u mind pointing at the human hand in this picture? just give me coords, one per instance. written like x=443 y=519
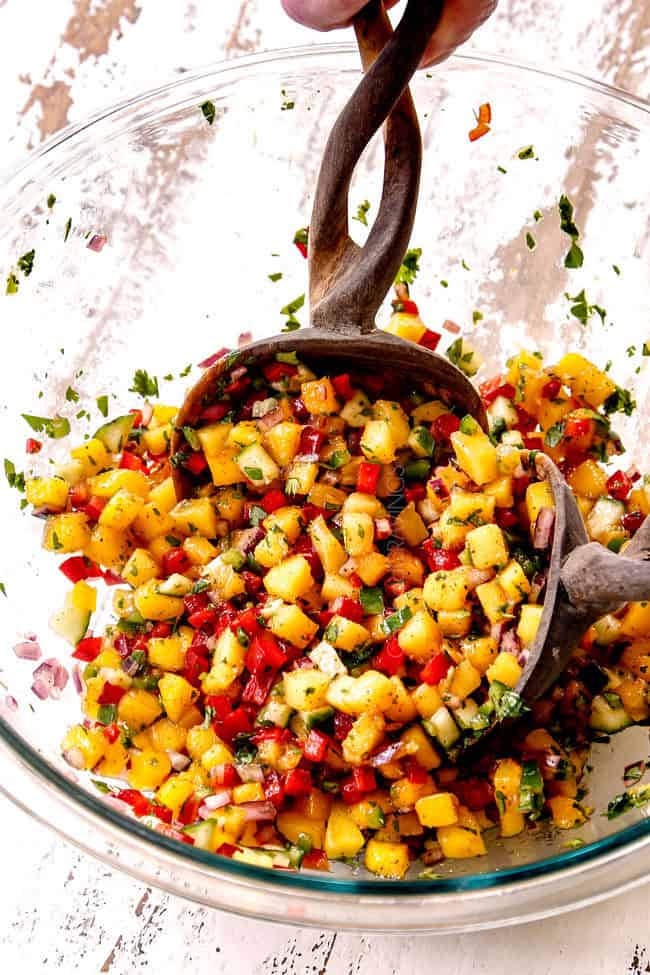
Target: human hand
x=459 y=20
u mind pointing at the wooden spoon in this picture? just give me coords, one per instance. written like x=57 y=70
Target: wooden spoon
x=348 y=283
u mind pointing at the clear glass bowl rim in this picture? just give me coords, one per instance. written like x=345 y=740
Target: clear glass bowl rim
x=634 y=840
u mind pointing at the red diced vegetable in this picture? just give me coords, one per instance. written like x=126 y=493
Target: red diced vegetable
x=414 y=772
x=236 y=723
x=139 y=803
x=94 y=508
x=137 y=417
x=417 y=492
x=274 y=789
x=439 y=558
x=111 y=732
x=430 y=340
x=478 y=131
x=275 y=371
x=316 y=860
x=78 y=567
x=343 y=386
x=632 y=521
x=264 y=654
x=390 y=658
x=131 y=462
x=88 y=648
x=175 y=560
x=506 y=519
x=215 y=412
x=525 y=421
x=311 y=441
x=253 y=582
x=220 y=704
x=273 y=500
x=196 y=463
x=225 y=775
x=160 y=630
x=349 y=792
x=202 y=617
x=342 y=725
x=405 y=306
x=368 y=477
x=111 y=693
x=195 y=602
x=33 y=446
x=494 y=388
x=619 y=486
x=350 y=608
x=247 y=620
x=551 y=389
x=257 y=688
x=443 y=426
x=297 y=782
x=194 y=666
x=316 y=745
x=438 y=487
x=364 y=779
x=436 y=669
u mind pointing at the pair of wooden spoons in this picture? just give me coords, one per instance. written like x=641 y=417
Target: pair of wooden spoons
x=347 y=285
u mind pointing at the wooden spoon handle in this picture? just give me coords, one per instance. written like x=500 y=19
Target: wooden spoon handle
x=348 y=283
x=597 y=581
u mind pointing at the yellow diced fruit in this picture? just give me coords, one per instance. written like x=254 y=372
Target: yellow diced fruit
x=301 y=477
x=166 y=653
x=224 y=469
x=450 y=532
x=358 y=534
x=292 y=824
x=472 y=509
x=337 y=585
x=110 y=482
x=157 y=439
x=272 y=549
x=199 y=740
x=108 y=547
x=390 y=860
x=345 y=634
x=114 y=761
x=410 y=527
x=494 y=601
x=459 y=843
x=328 y=548
x=148 y=769
x=319 y=397
x=88 y=744
x=585 y=380
x=552 y=411
x=217 y=754
x=514 y=582
x=427 y=700
x=487 y=547
x=162 y=413
x=529 y=620
x=372 y=567
x=402 y=708
x=290 y=579
x=47 y=492
x=406 y=326
x=404 y=794
x=356 y=695
x=466 y=679
x=507 y=778
x=428 y=412
x=420 y=637
x=356 y=412
x=229 y=503
x=121 y=511
x=176 y=695
x=195 y=516
x=397 y=420
x=588 y=480
x=257 y=466
x=511 y=822
x=153 y=605
x=438 y=810
x=282 y=441
x=174 y=793
x=93 y=455
x=199 y=550
x=377 y=442
x=306 y=690
x=523 y=370
x=454 y=624
x=364 y=736
x=140 y=568
x=446 y=590
x=343 y=838
x=244 y=434
x=636 y=621
x=358 y=502
x=213 y=438
x=538 y=495
x=227 y=663
x=508 y=458
x=501 y=491
x=152 y=523
x=425 y=754
x=505 y=669
x=290 y=623
x=476 y=455
x=224 y=580
x=163 y=496
x=66 y=533
x=138 y=708
x=326 y=496
x=248 y=792
x=166 y=734
x=288 y=520
x=566 y=813
x=481 y=652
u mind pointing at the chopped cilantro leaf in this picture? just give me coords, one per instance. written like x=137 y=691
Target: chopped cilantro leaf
x=631 y=351
x=26 y=262
x=502 y=169
x=465 y=266
x=646 y=348
x=290 y=310
x=12 y=284
x=254 y=473
x=554 y=434
x=628 y=800
x=102 y=405
x=566 y=217
x=301 y=236
x=574 y=257
x=51 y=200
x=531 y=243
x=477 y=316
x=507 y=703
x=444 y=284
x=192 y=438
x=71 y=395
x=362 y=213
x=527 y=153
x=144 y=384
x=186 y=371
x=620 y=402
x=54 y=427
x=68 y=228
x=537 y=216
x=287 y=104
x=209 y=111
x=616 y=269
x=15 y=478
x=3 y=589
x=410 y=266
x=277 y=276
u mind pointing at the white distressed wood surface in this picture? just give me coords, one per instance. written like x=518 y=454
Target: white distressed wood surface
x=61 y=911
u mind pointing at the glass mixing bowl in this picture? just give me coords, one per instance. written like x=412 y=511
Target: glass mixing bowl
x=197 y=218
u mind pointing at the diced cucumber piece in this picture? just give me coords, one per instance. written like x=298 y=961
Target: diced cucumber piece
x=327 y=659
x=606 y=718
x=258 y=466
x=175 y=585
x=466 y=715
x=70 y=623
x=313 y=718
x=201 y=833
x=502 y=409
x=256 y=858
x=442 y=726
x=115 y=433
x=298 y=726
x=512 y=438
x=275 y=712
x=605 y=515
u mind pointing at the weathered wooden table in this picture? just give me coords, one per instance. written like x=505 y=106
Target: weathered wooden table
x=61 y=911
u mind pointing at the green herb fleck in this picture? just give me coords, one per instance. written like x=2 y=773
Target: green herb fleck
x=290 y=310
x=144 y=384
x=526 y=153
x=192 y=438
x=632 y=799
x=537 y=216
x=507 y=703
x=71 y=395
x=68 y=228
x=477 y=316
x=410 y=266
x=54 y=427
x=372 y=600
x=531 y=243
x=616 y=269
x=574 y=258
x=253 y=473
x=362 y=213
x=26 y=263
x=554 y=434
x=502 y=169
x=3 y=589
x=209 y=111
x=12 y=284
x=51 y=200
x=102 y=405
x=276 y=276
x=15 y=479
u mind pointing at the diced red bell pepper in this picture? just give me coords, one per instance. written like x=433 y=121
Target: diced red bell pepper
x=137 y=417
x=131 y=462
x=79 y=497
x=443 y=426
x=88 y=649
x=632 y=521
x=394 y=587
x=274 y=789
x=526 y=422
x=372 y=384
x=273 y=500
x=364 y=779
x=202 y=617
x=580 y=430
x=257 y=688
x=551 y=389
x=405 y=306
x=619 y=485
x=237 y=387
x=175 y=560
x=475 y=793
x=33 y=446
x=132 y=797
x=368 y=477
x=305 y=548
x=316 y=860
x=414 y=772
x=78 y=567
x=506 y=519
x=111 y=732
x=195 y=664
x=478 y=131
x=300 y=411
x=112 y=578
x=271 y=734
x=430 y=340
x=494 y=388
x=275 y=371
x=324 y=617
x=416 y=492
x=311 y=441
x=190 y=811
x=349 y=792
x=225 y=775
x=436 y=669
x=253 y=583
x=316 y=745
x=195 y=602
x=111 y=693
x=160 y=631
x=353 y=439
x=390 y=658
x=520 y=485
x=196 y=463
x=236 y=723
x=342 y=725
x=533 y=441
x=161 y=812
x=248 y=622
x=215 y=412
x=343 y=386
x=297 y=782
x=264 y=654
x=347 y=607
x=94 y=508
x=439 y=559
x=301 y=240
x=226 y=614
x=227 y=850
x=220 y=704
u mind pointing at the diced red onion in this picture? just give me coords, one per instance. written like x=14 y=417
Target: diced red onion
x=250 y=773
x=537 y=587
x=27 y=650
x=41 y=689
x=50 y=678
x=262 y=407
x=96 y=243
x=178 y=760
x=510 y=642
x=255 y=812
x=11 y=703
x=76 y=679
x=522 y=656
x=147 y=414
x=450 y=326
x=303 y=663
x=211 y=359
x=633 y=473
x=397 y=749
x=75 y=758
x=216 y=801
x=238 y=373
x=383 y=528
x=246 y=539
x=271 y=419
x=130 y=666
x=544 y=525
x=118 y=805
x=244 y=338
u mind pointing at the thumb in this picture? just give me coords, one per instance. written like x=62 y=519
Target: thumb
x=325 y=14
